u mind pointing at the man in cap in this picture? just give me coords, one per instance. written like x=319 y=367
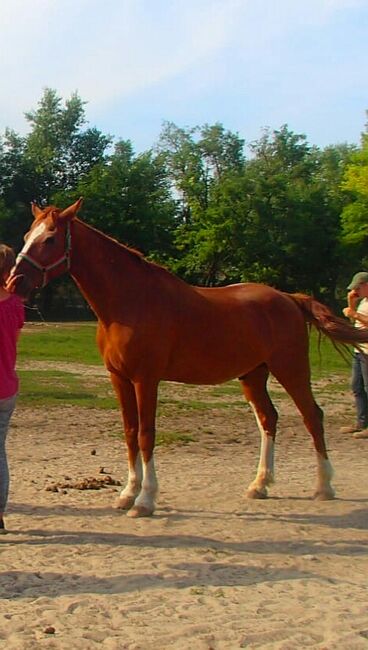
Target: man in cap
x=357 y=311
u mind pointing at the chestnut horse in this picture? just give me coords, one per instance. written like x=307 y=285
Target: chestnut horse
x=152 y=326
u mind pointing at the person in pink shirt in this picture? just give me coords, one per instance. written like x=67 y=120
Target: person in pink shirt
x=11 y=322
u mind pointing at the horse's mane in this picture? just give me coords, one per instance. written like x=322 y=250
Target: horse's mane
x=103 y=235
x=135 y=253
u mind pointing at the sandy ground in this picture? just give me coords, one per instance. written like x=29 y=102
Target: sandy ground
x=210 y=570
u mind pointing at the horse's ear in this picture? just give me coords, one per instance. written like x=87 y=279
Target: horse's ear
x=70 y=212
x=36 y=211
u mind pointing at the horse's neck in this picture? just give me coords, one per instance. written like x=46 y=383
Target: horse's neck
x=103 y=269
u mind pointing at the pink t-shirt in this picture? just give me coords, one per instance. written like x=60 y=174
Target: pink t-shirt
x=11 y=321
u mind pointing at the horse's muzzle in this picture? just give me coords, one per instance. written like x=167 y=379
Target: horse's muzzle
x=21 y=285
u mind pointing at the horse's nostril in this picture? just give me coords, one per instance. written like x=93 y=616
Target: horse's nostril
x=20 y=285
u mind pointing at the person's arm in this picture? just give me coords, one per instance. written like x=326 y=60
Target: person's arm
x=350 y=310
x=355 y=315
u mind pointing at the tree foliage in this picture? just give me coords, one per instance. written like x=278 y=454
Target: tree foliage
x=129 y=197
x=287 y=214
x=355 y=182
x=272 y=218
x=198 y=161
x=291 y=229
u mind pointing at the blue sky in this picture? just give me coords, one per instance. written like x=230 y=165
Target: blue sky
x=249 y=64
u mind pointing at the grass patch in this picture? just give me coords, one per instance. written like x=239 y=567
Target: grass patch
x=230 y=388
x=75 y=343
x=198 y=405
x=172 y=438
x=59 y=342
x=325 y=359
x=40 y=388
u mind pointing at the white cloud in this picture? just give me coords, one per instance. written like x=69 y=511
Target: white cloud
x=115 y=50
x=104 y=50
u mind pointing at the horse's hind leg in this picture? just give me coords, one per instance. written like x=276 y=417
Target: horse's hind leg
x=126 y=395
x=255 y=391
x=293 y=372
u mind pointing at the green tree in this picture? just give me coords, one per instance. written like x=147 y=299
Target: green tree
x=292 y=226
x=198 y=160
x=355 y=183
x=332 y=163
x=129 y=197
x=14 y=189
x=273 y=218
x=51 y=159
x=58 y=153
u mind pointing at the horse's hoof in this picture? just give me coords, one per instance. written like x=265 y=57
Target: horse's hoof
x=324 y=496
x=254 y=493
x=139 y=511
x=124 y=503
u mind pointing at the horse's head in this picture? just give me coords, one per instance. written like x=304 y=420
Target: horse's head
x=46 y=252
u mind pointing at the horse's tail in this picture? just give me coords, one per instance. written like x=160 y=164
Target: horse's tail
x=339 y=330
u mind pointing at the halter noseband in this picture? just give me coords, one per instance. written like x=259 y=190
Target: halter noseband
x=45 y=269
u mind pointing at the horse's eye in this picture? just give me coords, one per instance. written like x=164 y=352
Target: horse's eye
x=50 y=240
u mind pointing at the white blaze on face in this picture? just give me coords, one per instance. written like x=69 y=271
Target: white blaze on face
x=32 y=237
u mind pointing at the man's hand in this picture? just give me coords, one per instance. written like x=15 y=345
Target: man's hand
x=352 y=299
x=349 y=312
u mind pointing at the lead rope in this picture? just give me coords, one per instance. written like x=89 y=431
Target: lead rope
x=38 y=311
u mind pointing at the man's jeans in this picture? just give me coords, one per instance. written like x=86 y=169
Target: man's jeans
x=359 y=386
x=6 y=409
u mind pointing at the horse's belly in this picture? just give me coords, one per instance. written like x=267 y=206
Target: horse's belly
x=212 y=367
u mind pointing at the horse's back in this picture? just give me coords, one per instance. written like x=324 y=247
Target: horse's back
x=256 y=304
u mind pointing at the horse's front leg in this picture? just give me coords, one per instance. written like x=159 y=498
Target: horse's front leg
x=146 y=395
x=126 y=395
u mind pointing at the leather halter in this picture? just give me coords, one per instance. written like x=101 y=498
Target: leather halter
x=45 y=269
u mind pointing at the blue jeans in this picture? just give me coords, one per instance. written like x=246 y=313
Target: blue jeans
x=359 y=386
x=6 y=409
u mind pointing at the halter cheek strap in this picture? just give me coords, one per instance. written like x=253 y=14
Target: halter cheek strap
x=45 y=269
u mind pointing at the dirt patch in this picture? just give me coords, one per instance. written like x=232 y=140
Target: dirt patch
x=210 y=569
